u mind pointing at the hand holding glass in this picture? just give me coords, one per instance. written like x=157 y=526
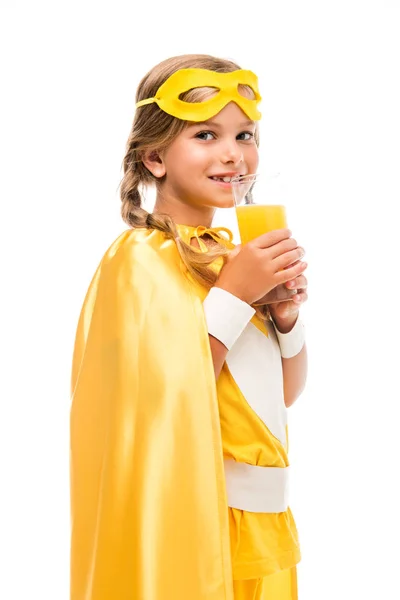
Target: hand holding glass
x=258 y=216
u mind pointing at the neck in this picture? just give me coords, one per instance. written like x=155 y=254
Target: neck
x=184 y=214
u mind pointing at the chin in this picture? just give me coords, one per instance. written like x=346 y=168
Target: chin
x=223 y=201
x=226 y=204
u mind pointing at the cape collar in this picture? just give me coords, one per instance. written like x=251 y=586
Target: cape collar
x=222 y=235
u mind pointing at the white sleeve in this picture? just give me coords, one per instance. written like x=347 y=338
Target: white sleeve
x=291 y=343
x=226 y=315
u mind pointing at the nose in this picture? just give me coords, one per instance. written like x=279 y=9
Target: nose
x=232 y=153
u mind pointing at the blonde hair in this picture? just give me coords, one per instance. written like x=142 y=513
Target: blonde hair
x=154 y=130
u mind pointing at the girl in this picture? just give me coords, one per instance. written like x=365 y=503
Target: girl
x=179 y=461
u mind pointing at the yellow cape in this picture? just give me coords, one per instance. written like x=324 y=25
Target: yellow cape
x=148 y=505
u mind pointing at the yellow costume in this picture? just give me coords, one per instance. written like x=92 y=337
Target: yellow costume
x=148 y=498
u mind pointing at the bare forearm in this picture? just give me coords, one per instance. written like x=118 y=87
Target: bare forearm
x=219 y=352
x=294 y=376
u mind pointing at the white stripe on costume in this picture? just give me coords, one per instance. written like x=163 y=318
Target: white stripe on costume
x=255 y=364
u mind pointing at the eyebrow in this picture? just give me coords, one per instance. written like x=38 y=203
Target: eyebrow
x=211 y=123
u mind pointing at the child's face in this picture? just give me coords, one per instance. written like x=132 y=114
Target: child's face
x=222 y=146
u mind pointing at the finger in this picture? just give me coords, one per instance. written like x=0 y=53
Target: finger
x=298 y=283
x=272 y=237
x=281 y=248
x=290 y=273
x=289 y=258
x=299 y=298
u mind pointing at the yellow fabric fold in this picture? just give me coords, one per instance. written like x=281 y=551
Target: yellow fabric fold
x=148 y=503
x=188 y=232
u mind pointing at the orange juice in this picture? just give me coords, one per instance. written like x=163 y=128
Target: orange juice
x=256 y=219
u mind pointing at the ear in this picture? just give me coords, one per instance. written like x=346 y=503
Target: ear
x=154 y=163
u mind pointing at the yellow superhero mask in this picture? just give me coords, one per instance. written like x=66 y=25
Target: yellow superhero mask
x=168 y=94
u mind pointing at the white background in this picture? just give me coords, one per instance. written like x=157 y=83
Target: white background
x=329 y=74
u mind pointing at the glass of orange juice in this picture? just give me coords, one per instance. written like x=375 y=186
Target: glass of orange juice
x=259 y=209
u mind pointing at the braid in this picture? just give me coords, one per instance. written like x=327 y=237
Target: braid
x=131 y=210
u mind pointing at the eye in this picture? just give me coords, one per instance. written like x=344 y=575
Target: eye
x=246 y=136
x=202 y=135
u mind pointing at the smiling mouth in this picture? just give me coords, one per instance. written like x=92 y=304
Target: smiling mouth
x=224 y=179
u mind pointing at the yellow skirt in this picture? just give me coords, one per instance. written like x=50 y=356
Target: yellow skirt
x=279 y=586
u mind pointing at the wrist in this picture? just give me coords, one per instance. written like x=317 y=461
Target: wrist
x=285 y=324
x=231 y=290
